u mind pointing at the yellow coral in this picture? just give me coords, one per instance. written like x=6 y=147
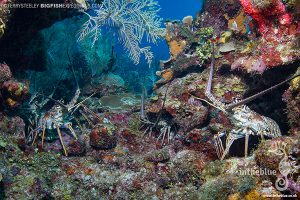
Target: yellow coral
x=237 y=23
x=10 y=102
x=167 y=74
x=225 y=37
x=295 y=83
x=235 y=196
x=2 y=27
x=19 y=92
x=176 y=47
x=248 y=48
x=254 y=195
x=155 y=98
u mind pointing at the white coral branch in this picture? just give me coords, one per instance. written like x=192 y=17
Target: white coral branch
x=133 y=19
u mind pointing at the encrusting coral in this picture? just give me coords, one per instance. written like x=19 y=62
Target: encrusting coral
x=5 y=73
x=12 y=92
x=292 y=99
x=266 y=13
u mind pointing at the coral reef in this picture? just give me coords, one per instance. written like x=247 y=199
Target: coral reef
x=107 y=142
x=278 y=154
x=5 y=73
x=103 y=138
x=12 y=92
x=266 y=13
x=176 y=43
x=292 y=99
x=5 y=13
x=12 y=125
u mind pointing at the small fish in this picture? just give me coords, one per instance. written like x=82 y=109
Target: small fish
x=249 y=24
x=234 y=26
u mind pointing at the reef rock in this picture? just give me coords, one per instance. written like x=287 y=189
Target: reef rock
x=5 y=73
x=292 y=99
x=157 y=156
x=175 y=42
x=271 y=152
x=76 y=148
x=12 y=125
x=182 y=98
x=14 y=93
x=102 y=138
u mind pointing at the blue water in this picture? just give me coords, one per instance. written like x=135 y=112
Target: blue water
x=175 y=10
x=170 y=10
x=178 y=9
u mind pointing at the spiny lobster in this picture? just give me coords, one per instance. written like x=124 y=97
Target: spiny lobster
x=59 y=117
x=160 y=125
x=246 y=122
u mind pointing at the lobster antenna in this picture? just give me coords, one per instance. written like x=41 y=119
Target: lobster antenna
x=209 y=103
x=72 y=68
x=163 y=106
x=56 y=101
x=142 y=114
x=208 y=88
x=251 y=98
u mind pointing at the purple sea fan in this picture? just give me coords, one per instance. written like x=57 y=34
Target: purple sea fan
x=194 y=102
x=259 y=66
x=239 y=63
x=250 y=64
x=294 y=186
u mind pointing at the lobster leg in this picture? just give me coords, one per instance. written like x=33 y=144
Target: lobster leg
x=43 y=135
x=262 y=135
x=69 y=126
x=218 y=144
x=145 y=132
x=60 y=137
x=150 y=131
x=78 y=123
x=87 y=119
x=162 y=134
x=246 y=143
x=230 y=139
x=169 y=134
x=35 y=136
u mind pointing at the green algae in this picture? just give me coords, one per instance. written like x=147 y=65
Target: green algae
x=204 y=47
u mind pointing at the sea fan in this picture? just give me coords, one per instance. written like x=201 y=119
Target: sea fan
x=132 y=19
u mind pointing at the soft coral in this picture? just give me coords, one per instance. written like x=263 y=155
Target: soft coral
x=267 y=16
